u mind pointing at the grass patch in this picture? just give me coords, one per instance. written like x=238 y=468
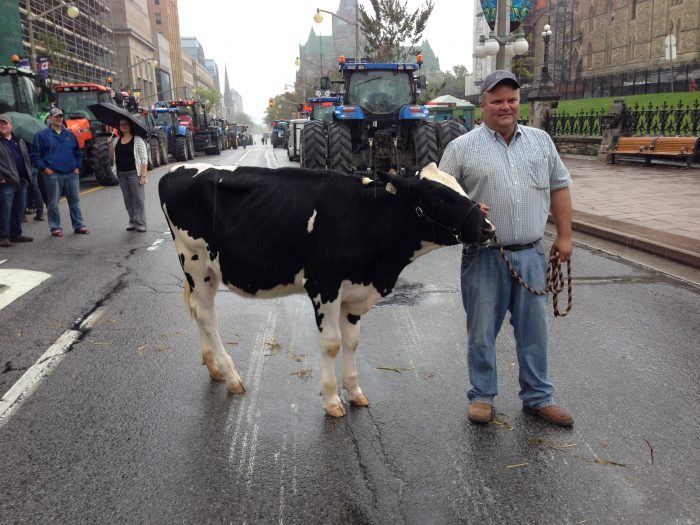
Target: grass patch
x=588 y=105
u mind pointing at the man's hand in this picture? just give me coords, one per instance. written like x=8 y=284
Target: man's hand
x=565 y=247
x=484 y=208
x=48 y=171
x=77 y=171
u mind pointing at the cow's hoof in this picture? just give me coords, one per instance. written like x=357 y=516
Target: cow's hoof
x=360 y=401
x=216 y=375
x=236 y=387
x=336 y=410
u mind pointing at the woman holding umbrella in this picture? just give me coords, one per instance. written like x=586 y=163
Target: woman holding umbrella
x=131 y=155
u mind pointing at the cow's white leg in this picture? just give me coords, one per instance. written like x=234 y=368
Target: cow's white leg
x=330 y=346
x=202 y=288
x=350 y=336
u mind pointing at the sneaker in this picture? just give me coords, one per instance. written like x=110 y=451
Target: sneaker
x=29 y=211
x=553 y=414
x=21 y=238
x=83 y=230
x=131 y=228
x=5 y=243
x=141 y=230
x=479 y=412
x=39 y=216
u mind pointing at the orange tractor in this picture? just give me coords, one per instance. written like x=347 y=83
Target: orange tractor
x=92 y=135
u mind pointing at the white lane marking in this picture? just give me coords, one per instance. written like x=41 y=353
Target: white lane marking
x=17 y=283
x=155 y=244
x=243 y=157
x=30 y=380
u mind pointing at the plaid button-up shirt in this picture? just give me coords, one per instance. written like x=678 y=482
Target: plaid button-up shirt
x=515 y=180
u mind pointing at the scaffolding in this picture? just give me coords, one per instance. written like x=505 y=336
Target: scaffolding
x=80 y=50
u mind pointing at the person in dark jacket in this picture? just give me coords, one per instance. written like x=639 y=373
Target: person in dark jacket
x=15 y=170
x=56 y=154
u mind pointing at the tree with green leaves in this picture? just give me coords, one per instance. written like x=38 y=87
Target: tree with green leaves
x=392 y=33
x=211 y=97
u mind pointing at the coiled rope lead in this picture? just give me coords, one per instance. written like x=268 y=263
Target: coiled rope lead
x=555 y=280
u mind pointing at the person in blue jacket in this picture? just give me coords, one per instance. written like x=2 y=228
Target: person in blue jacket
x=56 y=153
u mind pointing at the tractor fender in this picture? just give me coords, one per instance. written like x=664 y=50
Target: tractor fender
x=410 y=113
x=355 y=114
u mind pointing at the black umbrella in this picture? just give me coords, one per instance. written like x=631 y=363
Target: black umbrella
x=110 y=115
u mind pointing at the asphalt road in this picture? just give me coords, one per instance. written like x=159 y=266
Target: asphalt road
x=128 y=428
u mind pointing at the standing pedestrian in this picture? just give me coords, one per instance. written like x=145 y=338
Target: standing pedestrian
x=15 y=170
x=57 y=155
x=131 y=156
x=522 y=181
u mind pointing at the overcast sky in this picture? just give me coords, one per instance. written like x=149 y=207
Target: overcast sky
x=259 y=40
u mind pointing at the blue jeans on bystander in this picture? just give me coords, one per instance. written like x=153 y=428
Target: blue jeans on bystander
x=13 y=198
x=488 y=293
x=56 y=183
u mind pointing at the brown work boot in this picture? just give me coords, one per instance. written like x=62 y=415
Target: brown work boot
x=479 y=412
x=553 y=414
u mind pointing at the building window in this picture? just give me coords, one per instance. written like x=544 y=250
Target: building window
x=633 y=10
x=157 y=2
x=158 y=18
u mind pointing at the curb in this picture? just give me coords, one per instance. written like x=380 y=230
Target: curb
x=666 y=245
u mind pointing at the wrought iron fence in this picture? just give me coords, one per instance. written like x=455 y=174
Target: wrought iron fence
x=588 y=124
x=662 y=119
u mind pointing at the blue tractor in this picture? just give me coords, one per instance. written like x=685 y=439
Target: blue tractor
x=381 y=124
x=179 y=138
x=314 y=134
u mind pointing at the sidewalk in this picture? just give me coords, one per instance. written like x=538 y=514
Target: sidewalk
x=652 y=208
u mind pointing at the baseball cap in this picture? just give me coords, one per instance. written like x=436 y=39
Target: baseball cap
x=55 y=112
x=6 y=118
x=495 y=78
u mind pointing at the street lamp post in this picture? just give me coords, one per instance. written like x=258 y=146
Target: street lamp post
x=500 y=43
x=318 y=18
x=72 y=12
x=546 y=35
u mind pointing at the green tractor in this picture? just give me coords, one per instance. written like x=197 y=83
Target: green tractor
x=18 y=99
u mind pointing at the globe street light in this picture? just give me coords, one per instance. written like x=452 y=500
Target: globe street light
x=72 y=12
x=546 y=35
x=318 y=18
x=500 y=43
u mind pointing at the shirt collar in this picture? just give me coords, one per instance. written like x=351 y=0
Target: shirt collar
x=496 y=135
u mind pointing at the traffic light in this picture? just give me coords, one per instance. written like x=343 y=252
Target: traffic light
x=271 y=103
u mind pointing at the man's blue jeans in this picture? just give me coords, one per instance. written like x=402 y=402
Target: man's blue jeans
x=56 y=183
x=13 y=198
x=488 y=293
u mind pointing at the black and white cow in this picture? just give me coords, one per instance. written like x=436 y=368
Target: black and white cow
x=342 y=239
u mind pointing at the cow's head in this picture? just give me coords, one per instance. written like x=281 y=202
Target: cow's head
x=448 y=213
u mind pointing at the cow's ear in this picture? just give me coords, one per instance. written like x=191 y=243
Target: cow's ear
x=396 y=184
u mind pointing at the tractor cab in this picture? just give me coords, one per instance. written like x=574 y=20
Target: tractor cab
x=92 y=135
x=18 y=99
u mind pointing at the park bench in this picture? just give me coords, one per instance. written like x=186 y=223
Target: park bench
x=631 y=146
x=675 y=147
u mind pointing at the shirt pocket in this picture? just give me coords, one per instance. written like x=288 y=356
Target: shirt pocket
x=538 y=173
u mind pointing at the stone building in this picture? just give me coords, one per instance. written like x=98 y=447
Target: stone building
x=165 y=24
x=619 y=35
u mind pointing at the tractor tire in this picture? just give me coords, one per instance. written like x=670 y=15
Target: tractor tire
x=313 y=138
x=448 y=130
x=339 y=147
x=181 y=148
x=425 y=144
x=102 y=166
x=217 y=147
x=153 y=150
